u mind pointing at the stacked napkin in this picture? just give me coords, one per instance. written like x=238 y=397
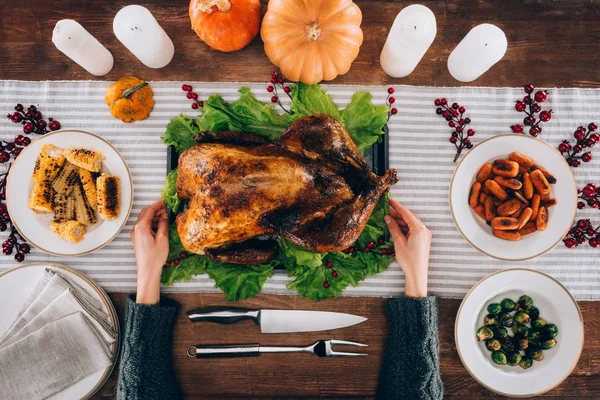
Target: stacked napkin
x=61 y=335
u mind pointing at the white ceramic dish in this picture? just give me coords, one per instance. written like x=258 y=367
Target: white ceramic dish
x=475 y=230
x=15 y=285
x=556 y=306
x=34 y=227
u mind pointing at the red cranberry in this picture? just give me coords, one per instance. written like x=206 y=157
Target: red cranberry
x=455 y=106
x=581 y=205
x=7 y=251
x=462 y=110
x=545 y=116
x=528 y=121
x=453 y=139
x=570 y=243
x=16 y=117
x=580 y=240
x=168 y=264
x=189 y=96
x=334 y=274
x=19 y=107
x=54 y=125
x=391 y=90
x=535 y=130
x=394 y=111
x=273 y=80
x=595 y=137
x=594 y=203
x=590 y=142
x=594 y=242
x=274 y=99
x=42 y=124
x=445 y=114
x=536 y=108
x=579 y=134
x=3 y=208
x=451 y=124
x=517 y=128
x=28 y=127
x=329 y=264
x=592 y=126
x=16 y=151
x=280 y=80
x=540 y=96
x=564 y=147
x=26 y=141
x=270 y=88
x=583 y=223
x=287 y=89
x=520 y=106
x=439 y=111
x=575 y=163
x=443 y=101
x=527 y=100
x=586 y=157
x=177 y=261
x=392 y=100
x=4 y=157
x=528 y=88
x=577 y=148
x=459 y=129
x=274 y=74
x=201 y=103
x=326 y=285
x=471 y=132
x=24 y=248
x=589 y=190
x=437 y=102
x=19 y=257
x=590 y=231
x=184 y=88
x=194 y=106
x=32 y=108
x=467 y=121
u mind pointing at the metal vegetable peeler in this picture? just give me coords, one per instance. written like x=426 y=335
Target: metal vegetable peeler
x=322 y=348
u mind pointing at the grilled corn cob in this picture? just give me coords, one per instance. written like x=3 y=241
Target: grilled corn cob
x=66 y=179
x=64 y=207
x=72 y=231
x=84 y=213
x=48 y=163
x=40 y=200
x=88 y=184
x=85 y=158
x=109 y=197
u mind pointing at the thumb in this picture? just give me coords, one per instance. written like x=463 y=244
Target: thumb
x=397 y=235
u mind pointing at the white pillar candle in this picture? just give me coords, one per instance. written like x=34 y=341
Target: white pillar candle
x=80 y=46
x=138 y=30
x=483 y=47
x=411 y=35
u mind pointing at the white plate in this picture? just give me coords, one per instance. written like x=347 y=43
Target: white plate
x=16 y=284
x=478 y=233
x=34 y=227
x=556 y=306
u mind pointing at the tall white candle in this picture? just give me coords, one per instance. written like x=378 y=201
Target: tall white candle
x=138 y=30
x=481 y=48
x=80 y=46
x=411 y=35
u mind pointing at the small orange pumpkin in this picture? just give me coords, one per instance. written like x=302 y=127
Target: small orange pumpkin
x=225 y=25
x=130 y=99
x=314 y=40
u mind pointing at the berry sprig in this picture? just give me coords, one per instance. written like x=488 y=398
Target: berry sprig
x=530 y=105
x=584 y=139
x=589 y=195
x=192 y=96
x=581 y=232
x=32 y=120
x=389 y=101
x=176 y=261
x=14 y=240
x=278 y=84
x=454 y=114
x=14 y=148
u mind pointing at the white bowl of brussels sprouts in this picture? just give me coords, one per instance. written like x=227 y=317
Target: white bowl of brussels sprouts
x=519 y=332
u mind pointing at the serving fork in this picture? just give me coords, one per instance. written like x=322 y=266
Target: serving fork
x=321 y=348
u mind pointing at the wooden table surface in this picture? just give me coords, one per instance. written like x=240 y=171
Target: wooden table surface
x=551 y=43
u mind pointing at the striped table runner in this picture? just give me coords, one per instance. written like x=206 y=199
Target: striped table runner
x=419 y=149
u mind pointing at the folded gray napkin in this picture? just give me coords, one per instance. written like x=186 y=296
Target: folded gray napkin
x=51 y=359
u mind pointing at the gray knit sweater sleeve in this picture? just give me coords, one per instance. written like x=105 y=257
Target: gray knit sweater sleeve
x=411 y=357
x=145 y=370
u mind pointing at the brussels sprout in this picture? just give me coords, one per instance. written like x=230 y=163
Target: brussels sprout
x=550 y=331
x=493 y=345
x=534 y=313
x=548 y=344
x=500 y=332
x=525 y=302
x=522 y=317
x=538 y=323
x=526 y=362
x=535 y=336
x=490 y=320
x=506 y=319
x=508 y=344
x=508 y=305
x=523 y=343
x=484 y=333
x=494 y=309
x=535 y=353
x=499 y=357
x=520 y=330
x=513 y=358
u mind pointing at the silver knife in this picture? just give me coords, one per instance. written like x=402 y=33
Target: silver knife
x=277 y=321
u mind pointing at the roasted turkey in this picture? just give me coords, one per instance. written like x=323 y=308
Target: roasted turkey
x=311 y=186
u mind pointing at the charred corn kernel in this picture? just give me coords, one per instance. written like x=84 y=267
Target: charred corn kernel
x=506 y=168
x=496 y=189
x=528 y=228
x=519 y=196
x=475 y=191
x=549 y=203
x=523 y=170
x=549 y=177
x=48 y=163
x=505 y=223
x=479 y=210
x=510 y=183
x=41 y=198
x=109 y=197
x=507 y=235
x=541 y=221
x=84 y=213
x=85 y=158
x=521 y=159
x=525 y=217
x=539 y=181
x=509 y=207
x=497 y=201
x=489 y=209
x=518 y=213
x=64 y=207
x=527 y=187
x=66 y=179
x=544 y=197
x=535 y=205
x=484 y=173
x=88 y=184
x=482 y=197
x=72 y=231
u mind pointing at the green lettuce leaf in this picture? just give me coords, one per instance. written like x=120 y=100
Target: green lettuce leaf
x=180 y=133
x=294 y=254
x=364 y=121
x=312 y=99
x=192 y=265
x=240 y=282
x=169 y=192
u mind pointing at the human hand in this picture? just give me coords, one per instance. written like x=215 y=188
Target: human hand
x=412 y=241
x=150 y=238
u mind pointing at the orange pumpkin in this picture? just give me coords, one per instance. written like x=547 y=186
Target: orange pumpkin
x=312 y=40
x=225 y=25
x=130 y=99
